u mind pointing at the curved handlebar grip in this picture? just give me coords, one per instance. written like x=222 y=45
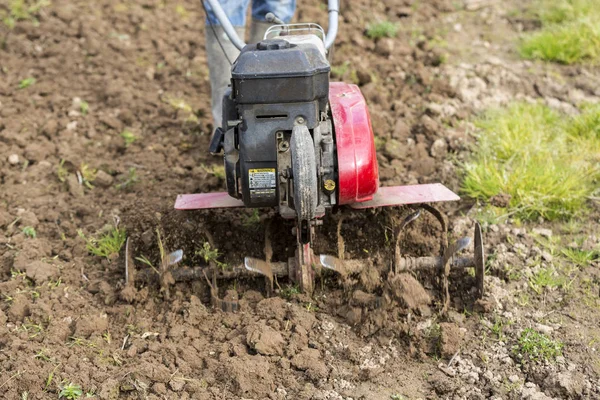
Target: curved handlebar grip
x=333 y=9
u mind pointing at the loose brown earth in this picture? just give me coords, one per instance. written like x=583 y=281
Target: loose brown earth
x=65 y=316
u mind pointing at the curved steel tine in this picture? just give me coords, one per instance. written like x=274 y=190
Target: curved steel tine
x=410 y=218
x=329 y=262
x=407 y=220
x=455 y=247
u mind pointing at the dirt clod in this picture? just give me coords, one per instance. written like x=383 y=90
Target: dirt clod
x=450 y=339
x=41 y=271
x=408 y=290
x=265 y=340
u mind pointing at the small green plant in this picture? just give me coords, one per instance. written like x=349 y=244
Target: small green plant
x=108 y=244
x=87 y=175
x=340 y=70
x=290 y=291
x=537 y=346
x=397 y=397
x=179 y=104
x=61 y=171
x=41 y=355
x=381 y=29
x=144 y=259
x=545 y=278
x=70 y=391
x=128 y=137
x=84 y=107
x=498 y=329
x=251 y=220
x=25 y=83
x=217 y=170
x=29 y=231
x=130 y=180
x=210 y=254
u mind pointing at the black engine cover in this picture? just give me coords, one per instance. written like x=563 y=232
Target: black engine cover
x=275 y=85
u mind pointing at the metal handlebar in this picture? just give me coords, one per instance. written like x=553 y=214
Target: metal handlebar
x=332 y=7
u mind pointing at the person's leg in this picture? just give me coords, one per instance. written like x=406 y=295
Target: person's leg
x=221 y=52
x=283 y=9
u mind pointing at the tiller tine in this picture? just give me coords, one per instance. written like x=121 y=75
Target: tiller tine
x=444 y=264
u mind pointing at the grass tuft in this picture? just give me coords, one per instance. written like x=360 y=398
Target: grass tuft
x=537 y=346
x=570 y=32
x=108 y=244
x=378 y=30
x=546 y=162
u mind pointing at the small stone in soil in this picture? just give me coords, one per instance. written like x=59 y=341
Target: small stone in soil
x=103 y=179
x=13 y=159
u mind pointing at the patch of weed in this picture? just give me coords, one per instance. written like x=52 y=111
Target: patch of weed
x=570 y=32
x=29 y=231
x=130 y=180
x=210 y=254
x=84 y=107
x=545 y=278
x=25 y=83
x=70 y=391
x=87 y=175
x=128 y=137
x=61 y=171
x=381 y=29
x=538 y=157
x=107 y=245
x=22 y=10
x=251 y=220
x=180 y=104
x=340 y=70
x=537 y=346
x=290 y=291
x=581 y=258
x=218 y=170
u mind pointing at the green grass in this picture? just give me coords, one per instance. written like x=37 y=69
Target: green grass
x=22 y=10
x=131 y=179
x=108 y=244
x=581 y=258
x=546 y=278
x=547 y=162
x=537 y=346
x=381 y=29
x=570 y=32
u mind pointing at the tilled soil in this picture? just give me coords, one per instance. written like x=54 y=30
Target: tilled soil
x=105 y=67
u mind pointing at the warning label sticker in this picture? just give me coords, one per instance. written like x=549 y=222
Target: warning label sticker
x=262 y=178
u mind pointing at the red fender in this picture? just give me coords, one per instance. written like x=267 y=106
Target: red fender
x=358 y=170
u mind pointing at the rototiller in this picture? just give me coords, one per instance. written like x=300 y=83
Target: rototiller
x=297 y=142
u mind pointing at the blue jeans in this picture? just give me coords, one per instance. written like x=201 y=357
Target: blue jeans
x=236 y=10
